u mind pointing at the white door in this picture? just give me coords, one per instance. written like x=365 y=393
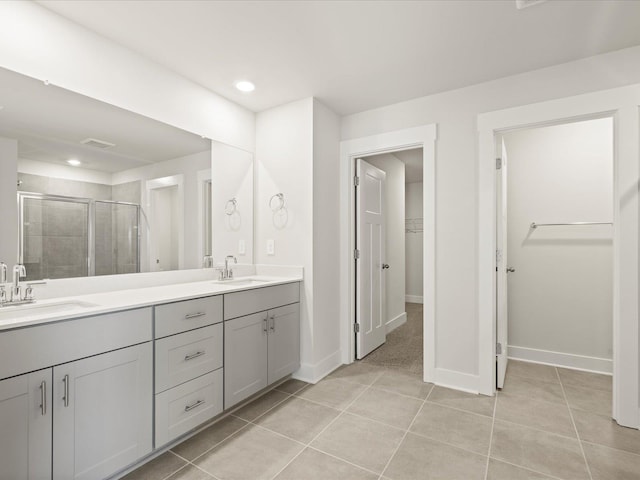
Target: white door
x=370 y=266
x=502 y=268
x=102 y=413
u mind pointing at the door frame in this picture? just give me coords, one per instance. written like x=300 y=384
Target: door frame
x=622 y=104
x=417 y=137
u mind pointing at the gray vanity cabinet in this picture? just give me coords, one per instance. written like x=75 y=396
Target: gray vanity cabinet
x=101 y=411
x=262 y=347
x=25 y=423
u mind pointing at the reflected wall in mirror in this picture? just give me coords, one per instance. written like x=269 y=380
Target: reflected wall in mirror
x=232 y=202
x=135 y=202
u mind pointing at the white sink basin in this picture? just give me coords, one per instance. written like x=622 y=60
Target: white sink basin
x=33 y=309
x=241 y=282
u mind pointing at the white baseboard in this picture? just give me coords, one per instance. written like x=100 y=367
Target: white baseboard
x=456 y=380
x=313 y=373
x=414 y=298
x=396 y=322
x=558 y=359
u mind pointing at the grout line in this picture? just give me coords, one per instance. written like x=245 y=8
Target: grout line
x=610 y=448
x=310 y=447
x=493 y=423
x=584 y=456
x=223 y=440
x=458 y=409
x=175 y=471
x=322 y=431
x=526 y=468
x=405 y=434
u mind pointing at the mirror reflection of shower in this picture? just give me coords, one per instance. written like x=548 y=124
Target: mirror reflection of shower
x=63 y=236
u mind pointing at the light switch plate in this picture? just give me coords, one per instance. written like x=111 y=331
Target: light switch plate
x=271 y=247
x=241 y=247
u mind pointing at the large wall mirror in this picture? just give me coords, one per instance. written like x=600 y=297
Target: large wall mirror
x=104 y=191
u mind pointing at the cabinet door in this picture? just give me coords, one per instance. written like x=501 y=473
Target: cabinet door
x=25 y=426
x=284 y=341
x=102 y=408
x=245 y=357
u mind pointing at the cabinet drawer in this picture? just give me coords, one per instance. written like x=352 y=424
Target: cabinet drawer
x=238 y=304
x=182 y=357
x=188 y=405
x=177 y=317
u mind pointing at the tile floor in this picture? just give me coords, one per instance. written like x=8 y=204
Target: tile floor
x=367 y=421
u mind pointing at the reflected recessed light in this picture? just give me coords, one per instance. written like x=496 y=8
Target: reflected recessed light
x=245 y=86
x=73 y=162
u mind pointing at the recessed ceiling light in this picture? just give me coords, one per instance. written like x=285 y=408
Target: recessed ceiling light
x=73 y=162
x=245 y=86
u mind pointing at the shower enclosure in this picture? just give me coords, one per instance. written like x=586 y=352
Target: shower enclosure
x=62 y=237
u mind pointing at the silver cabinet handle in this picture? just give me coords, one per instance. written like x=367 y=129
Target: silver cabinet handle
x=194 y=355
x=194 y=315
x=196 y=404
x=264 y=325
x=43 y=397
x=66 y=390
x=272 y=327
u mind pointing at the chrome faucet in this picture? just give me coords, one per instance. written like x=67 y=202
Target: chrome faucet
x=228 y=273
x=3 y=272
x=18 y=272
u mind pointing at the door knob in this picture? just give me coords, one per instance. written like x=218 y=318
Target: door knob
x=385 y=266
x=510 y=269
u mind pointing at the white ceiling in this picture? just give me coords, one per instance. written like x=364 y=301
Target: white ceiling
x=49 y=123
x=356 y=55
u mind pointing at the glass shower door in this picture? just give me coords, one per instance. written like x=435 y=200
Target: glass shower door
x=54 y=236
x=116 y=238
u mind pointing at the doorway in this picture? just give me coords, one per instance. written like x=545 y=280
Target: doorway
x=165 y=202
x=408 y=139
x=399 y=315
x=554 y=246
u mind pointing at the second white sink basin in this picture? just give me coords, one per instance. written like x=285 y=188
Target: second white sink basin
x=32 y=309
x=241 y=282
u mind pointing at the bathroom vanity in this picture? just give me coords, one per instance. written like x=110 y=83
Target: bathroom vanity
x=93 y=384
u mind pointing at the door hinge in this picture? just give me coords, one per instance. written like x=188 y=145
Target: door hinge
x=356 y=254
x=498 y=163
x=356 y=181
x=498 y=348
x=356 y=327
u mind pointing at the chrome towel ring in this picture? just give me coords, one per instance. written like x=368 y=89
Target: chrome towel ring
x=276 y=202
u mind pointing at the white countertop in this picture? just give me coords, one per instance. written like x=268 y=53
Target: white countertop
x=66 y=308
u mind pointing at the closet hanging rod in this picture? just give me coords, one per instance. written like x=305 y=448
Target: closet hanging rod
x=536 y=225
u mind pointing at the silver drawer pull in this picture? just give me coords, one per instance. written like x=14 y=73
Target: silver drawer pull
x=188 y=408
x=43 y=397
x=194 y=355
x=194 y=315
x=66 y=390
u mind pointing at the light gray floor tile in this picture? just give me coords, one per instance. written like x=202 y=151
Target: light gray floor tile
x=298 y=419
x=503 y=471
x=465 y=430
x=333 y=392
x=603 y=430
x=534 y=388
x=577 y=378
x=548 y=416
x=260 y=405
x=292 y=386
x=252 y=453
x=386 y=407
x=314 y=465
x=404 y=383
x=609 y=464
x=360 y=441
x=465 y=401
x=545 y=373
x=190 y=473
x=540 y=451
x=208 y=438
x=425 y=459
x=589 y=399
x=158 y=468
x=358 y=372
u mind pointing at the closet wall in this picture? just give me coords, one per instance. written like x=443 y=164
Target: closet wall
x=560 y=296
x=414 y=240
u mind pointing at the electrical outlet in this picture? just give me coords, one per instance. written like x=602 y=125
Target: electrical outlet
x=241 y=247
x=271 y=247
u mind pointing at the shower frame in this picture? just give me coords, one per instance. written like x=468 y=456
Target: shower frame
x=91 y=211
